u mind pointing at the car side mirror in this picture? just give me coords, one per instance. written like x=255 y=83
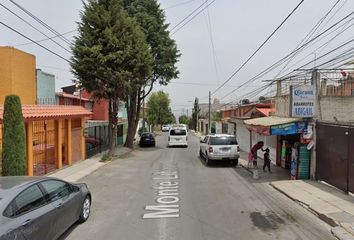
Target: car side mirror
x=201 y=141
x=75 y=188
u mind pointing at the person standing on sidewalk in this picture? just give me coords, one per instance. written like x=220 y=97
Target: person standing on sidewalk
x=254 y=150
x=266 y=160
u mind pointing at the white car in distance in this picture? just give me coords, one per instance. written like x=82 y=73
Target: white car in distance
x=178 y=136
x=165 y=128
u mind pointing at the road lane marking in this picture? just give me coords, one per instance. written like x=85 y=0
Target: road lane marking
x=167 y=195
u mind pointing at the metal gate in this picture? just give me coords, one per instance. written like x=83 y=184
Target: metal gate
x=335 y=155
x=44 y=149
x=96 y=139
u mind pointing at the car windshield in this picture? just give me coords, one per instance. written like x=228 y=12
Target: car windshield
x=147 y=135
x=177 y=132
x=223 y=141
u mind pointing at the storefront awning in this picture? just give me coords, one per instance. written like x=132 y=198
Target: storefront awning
x=270 y=121
x=276 y=125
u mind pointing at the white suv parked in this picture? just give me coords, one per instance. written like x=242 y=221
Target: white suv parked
x=220 y=147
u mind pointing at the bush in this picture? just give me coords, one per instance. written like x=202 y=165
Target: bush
x=14 y=138
x=106 y=157
x=142 y=130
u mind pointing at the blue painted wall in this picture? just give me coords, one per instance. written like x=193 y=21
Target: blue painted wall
x=45 y=87
x=122 y=110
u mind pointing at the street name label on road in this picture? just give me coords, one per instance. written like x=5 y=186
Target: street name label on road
x=167 y=199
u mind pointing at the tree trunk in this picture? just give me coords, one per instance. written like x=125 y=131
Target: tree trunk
x=132 y=116
x=137 y=118
x=113 y=110
x=110 y=126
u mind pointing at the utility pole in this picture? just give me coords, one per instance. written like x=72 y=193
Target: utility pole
x=197 y=114
x=209 y=127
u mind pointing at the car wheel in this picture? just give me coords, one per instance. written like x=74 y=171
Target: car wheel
x=85 y=209
x=234 y=163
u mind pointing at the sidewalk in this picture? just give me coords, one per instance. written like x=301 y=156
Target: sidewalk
x=86 y=167
x=277 y=173
x=197 y=134
x=329 y=204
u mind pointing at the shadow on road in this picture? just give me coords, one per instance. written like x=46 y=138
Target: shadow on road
x=216 y=164
x=148 y=148
x=176 y=146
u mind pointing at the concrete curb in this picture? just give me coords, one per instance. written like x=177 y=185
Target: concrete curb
x=247 y=169
x=341 y=233
x=117 y=156
x=326 y=219
x=338 y=230
x=86 y=173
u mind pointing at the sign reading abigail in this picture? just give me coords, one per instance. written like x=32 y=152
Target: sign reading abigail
x=303 y=101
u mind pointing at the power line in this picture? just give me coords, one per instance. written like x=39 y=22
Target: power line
x=55 y=68
x=309 y=35
x=179 y=4
x=259 y=90
x=259 y=48
x=45 y=39
x=323 y=45
x=282 y=60
x=205 y=7
x=331 y=51
x=41 y=22
x=213 y=51
x=196 y=84
x=28 y=23
x=190 y=14
x=47 y=49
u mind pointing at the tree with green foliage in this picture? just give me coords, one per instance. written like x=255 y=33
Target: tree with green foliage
x=171 y=117
x=216 y=116
x=14 y=138
x=158 y=109
x=152 y=21
x=184 y=119
x=110 y=55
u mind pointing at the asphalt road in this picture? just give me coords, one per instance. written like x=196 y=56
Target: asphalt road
x=214 y=203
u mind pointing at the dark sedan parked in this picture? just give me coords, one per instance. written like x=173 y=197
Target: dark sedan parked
x=147 y=139
x=40 y=208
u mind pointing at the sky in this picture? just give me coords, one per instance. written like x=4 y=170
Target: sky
x=212 y=45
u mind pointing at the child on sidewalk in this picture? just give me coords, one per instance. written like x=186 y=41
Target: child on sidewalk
x=266 y=160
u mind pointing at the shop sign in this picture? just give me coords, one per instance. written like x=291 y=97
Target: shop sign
x=289 y=129
x=259 y=129
x=303 y=101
